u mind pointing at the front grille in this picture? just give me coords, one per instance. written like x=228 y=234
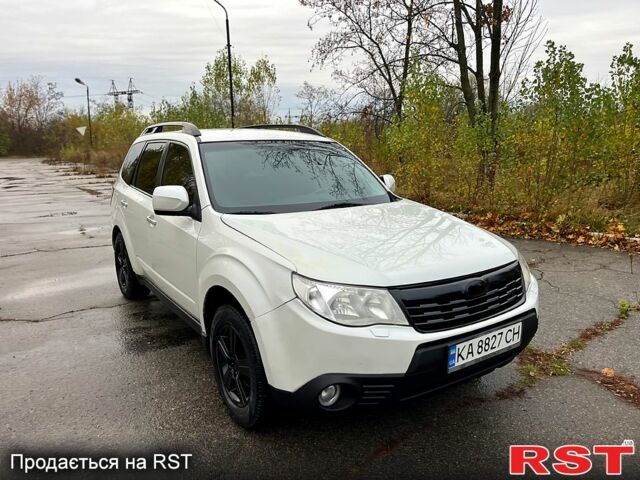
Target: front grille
x=454 y=303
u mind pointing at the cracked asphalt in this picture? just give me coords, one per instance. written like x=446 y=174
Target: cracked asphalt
x=84 y=371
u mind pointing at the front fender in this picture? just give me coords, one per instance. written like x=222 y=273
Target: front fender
x=257 y=277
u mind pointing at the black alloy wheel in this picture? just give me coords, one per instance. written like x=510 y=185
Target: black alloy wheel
x=238 y=367
x=127 y=279
x=233 y=366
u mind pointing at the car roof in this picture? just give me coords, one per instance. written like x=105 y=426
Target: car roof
x=238 y=134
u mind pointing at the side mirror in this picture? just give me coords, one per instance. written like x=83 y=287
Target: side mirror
x=389 y=181
x=170 y=200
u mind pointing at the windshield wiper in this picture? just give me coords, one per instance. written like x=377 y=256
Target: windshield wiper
x=341 y=205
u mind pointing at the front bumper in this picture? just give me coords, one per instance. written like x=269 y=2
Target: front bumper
x=426 y=373
x=302 y=352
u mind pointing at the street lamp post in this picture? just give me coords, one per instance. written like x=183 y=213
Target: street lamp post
x=229 y=64
x=88 y=111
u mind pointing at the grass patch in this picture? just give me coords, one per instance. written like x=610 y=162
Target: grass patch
x=537 y=363
x=577 y=344
x=534 y=364
x=625 y=307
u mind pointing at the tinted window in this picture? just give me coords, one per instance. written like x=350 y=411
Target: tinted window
x=148 y=168
x=129 y=164
x=178 y=170
x=287 y=176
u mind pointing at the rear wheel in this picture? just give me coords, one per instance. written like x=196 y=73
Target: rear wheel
x=238 y=368
x=127 y=280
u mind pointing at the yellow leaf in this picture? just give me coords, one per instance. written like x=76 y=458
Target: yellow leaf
x=608 y=372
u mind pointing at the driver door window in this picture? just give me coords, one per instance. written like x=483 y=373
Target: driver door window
x=179 y=171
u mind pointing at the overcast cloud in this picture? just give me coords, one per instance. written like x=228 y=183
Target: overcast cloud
x=164 y=45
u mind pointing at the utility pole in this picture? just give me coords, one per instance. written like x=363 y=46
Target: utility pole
x=113 y=91
x=88 y=111
x=129 y=92
x=229 y=64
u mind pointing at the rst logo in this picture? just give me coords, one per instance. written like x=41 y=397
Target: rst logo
x=567 y=459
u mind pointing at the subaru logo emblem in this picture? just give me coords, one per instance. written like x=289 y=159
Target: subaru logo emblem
x=476 y=288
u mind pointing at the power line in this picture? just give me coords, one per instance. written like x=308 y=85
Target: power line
x=84 y=96
x=215 y=20
x=155 y=99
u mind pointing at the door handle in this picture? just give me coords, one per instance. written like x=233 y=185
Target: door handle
x=151 y=221
x=124 y=204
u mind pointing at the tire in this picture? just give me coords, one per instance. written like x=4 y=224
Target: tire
x=239 y=373
x=127 y=280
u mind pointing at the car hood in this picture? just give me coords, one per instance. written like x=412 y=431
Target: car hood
x=398 y=243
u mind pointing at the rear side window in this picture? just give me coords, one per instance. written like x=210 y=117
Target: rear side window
x=129 y=164
x=178 y=170
x=148 y=167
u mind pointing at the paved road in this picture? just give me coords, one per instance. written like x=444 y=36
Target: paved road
x=83 y=371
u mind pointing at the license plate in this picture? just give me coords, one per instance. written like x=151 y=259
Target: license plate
x=487 y=345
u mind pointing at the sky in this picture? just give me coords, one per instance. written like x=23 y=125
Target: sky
x=164 y=44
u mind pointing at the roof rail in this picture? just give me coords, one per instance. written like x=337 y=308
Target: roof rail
x=185 y=127
x=288 y=126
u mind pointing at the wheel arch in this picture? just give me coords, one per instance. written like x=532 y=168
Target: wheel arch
x=121 y=228
x=114 y=233
x=216 y=297
x=257 y=286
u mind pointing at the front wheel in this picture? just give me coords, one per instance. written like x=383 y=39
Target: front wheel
x=238 y=368
x=127 y=280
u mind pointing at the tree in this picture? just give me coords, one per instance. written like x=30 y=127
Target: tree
x=262 y=91
x=5 y=141
x=382 y=39
x=568 y=123
x=27 y=108
x=625 y=89
x=509 y=30
x=317 y=103
x=625 y=79
x=255 y=91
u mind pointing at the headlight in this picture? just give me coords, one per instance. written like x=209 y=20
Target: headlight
x=347 y=305
x=526 y=273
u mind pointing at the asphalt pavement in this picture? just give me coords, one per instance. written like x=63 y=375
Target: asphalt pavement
x=85 y=372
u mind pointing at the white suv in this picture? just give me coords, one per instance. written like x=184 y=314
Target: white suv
x=309 y=280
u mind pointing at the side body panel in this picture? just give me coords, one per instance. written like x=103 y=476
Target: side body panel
x=171 y=259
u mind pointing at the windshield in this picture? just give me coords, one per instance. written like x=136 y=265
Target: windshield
x=286 y=176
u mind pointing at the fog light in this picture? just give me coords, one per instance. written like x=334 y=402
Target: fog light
x=329 y=395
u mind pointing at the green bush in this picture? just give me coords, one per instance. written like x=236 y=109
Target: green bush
x=568 y=150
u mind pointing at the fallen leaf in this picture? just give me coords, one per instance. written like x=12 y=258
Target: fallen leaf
x=608 y=372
